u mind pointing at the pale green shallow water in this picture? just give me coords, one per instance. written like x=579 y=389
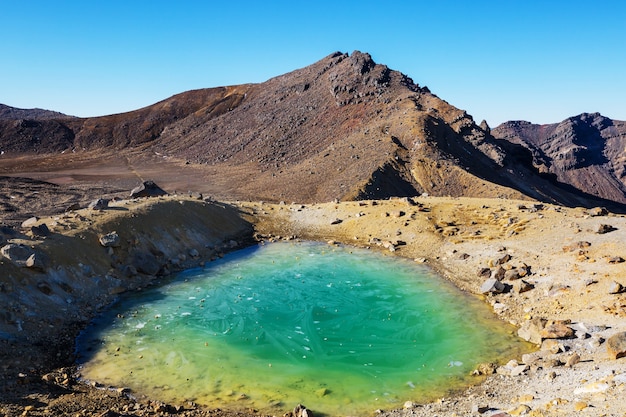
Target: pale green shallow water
x=341 y=330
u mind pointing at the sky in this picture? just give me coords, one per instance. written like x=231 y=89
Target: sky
x=540 y=61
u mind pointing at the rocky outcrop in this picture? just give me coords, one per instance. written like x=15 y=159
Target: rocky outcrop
x=147 y=189
x=87 y=270
x=583 y=152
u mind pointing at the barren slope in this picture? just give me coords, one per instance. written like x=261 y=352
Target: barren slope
x=585 y=151
x=342 y=128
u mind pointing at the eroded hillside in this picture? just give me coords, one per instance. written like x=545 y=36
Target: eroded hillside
x=342 y=128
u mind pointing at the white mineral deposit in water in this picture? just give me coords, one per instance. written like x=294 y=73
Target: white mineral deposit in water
x=341 y=330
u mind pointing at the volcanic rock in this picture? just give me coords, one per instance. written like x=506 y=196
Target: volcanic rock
x=147 y=189
x=556 y=330
x=40 y=231
x=616 y=288
x=17 y=253
x=30 y=222
x=110 y=240
x=531 y=330
x=492 y=285
x=99 y=204
x=605 y=228
x=616 y=345
x=582 y=151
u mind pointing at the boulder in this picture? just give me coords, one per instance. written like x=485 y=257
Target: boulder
x=598 y=211
x=408 y=405
x=397 y=213
x=40 y=231
x=492 y=285
x=24 y=256
x=73 y=207
x=531 y=330
x=146 y=263
x=605 y=228
x=484 y=272
x=592 y=388
x=512 y=274
x=572 y=360
x=575 y=246
x=36 y=261
x=616 y=288
x=504 y=259
x=557 y=329
x=17 y=253
x=498 y=273
x=616 y=345
x=524 y=286
x=110 y=240
x=30 y=221
x=99 y=204
x=552 y=346
x=487 y=368
x=147 y=189
x=301 y=411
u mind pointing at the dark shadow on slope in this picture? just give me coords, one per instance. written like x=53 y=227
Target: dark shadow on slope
x=387 y=181
x=545 y=186
x=516 y=169
x=590 y=143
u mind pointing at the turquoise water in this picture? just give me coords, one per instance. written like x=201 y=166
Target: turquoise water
x=341 y=330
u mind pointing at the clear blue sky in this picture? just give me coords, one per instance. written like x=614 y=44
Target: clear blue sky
x=540 y=61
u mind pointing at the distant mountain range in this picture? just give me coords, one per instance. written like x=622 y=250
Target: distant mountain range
x=345 y=128
x=12 y=113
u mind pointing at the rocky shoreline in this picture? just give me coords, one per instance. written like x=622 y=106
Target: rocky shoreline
x=554 y=273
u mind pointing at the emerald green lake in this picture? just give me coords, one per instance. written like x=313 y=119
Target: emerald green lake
x=341 y=330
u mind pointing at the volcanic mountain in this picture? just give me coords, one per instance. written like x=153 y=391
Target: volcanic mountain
x=584 y=151
x=342 y=128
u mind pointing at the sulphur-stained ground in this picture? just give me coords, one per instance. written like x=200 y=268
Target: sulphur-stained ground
x=562 y=266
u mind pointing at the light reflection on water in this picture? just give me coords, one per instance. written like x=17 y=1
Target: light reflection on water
x=341 y=330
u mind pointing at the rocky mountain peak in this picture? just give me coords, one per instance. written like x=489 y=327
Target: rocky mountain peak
x=344 y=127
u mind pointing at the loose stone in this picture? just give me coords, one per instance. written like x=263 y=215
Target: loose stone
x=99 y=204
x=110 y=240
x=616 y=288
x=492 y=285
x=605 y=228
x=524 y=286
x=598 y=211
x=40 y=231
x=408 y=405
x=531 y=330
x=519 y=410
x=572 y=360
x=557 y=330
x=580 y=405
x=616 y=345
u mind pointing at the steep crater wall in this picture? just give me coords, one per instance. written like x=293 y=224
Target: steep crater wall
x=52 y=283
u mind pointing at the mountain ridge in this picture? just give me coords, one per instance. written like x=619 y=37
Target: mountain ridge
x=585 y=151
x=342 y=128
x=13 y=113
